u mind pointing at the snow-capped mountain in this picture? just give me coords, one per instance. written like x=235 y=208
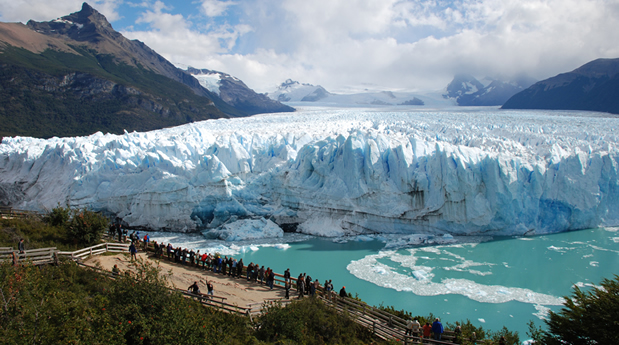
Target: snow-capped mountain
x=294 y=92
x=467 y=90
x=234 y=92
x=339 y=171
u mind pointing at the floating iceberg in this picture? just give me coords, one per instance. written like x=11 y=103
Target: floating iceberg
x=245 y=229
x=336 y=172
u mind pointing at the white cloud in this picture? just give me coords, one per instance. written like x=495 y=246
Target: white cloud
x=215 y=8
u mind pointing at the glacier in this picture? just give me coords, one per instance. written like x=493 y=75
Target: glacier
x=333 y=172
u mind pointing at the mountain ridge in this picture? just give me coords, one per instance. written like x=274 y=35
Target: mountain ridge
x=593 y=86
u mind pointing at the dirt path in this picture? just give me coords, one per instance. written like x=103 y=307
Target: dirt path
x=237 y=291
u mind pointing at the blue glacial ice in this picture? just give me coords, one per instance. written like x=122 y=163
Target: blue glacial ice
x=336 y=172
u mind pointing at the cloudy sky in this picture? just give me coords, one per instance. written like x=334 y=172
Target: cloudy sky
x=345 y=45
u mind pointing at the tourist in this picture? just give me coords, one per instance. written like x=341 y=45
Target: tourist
x=125 y=233
x=254 y=275
x=120 y=232
x=457 y=335
x=409 y=327
x=308 y=281
x=287 y=287
x=287 y=275
x=250 y=270
x=261 y=274
x=232 y=272
x=115 y=271
x=194 y=288
x=239 y=268
x=437 y=329
x=271 y=279
x=427 y=330
x=301 y=287
x=177 y=254
x=170 y=250
x=312 y=287
x=209 y=287
x=146 y=240
x=203 y=259
x=133 y=250
x=416 y=326
x=343 y=292
x=20 y=246
x=473 y=338
x=299 y=279
x=224 y=265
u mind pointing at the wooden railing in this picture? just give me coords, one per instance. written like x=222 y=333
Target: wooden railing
x=9 y=212
x=98 y=249
x=35 y=256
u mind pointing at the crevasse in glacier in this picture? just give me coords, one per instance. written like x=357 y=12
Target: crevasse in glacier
x=334 y=172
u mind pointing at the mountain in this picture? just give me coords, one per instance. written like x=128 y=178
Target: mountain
x=234 y=92
x=593 y=86
x=466 y=90
x=76 y=75
x=293 y=91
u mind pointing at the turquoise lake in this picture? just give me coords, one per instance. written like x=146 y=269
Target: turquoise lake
x=496 y=283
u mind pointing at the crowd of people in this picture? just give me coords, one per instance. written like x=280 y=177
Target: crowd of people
x=226 y=265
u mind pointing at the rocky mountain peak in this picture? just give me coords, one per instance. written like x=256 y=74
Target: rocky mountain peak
x=86 y=25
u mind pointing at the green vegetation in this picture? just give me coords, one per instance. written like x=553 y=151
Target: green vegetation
x=309 y=321
x=63 y=228
x=67 y=304
x=588 y=317
x=101 y=94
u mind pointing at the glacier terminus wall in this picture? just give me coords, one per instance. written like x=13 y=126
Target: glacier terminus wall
x=337 y=171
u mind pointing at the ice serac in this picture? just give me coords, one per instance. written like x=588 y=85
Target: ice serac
x=336 y=172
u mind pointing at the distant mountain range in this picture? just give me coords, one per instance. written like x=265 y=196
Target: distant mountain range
x=76 y=75
x=593 y=86
x=294 y=92
x=466 y=90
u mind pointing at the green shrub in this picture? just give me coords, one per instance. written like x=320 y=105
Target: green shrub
x=309 y=321
x=86 y=227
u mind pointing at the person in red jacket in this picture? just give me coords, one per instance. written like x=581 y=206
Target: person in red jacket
x=427 y=330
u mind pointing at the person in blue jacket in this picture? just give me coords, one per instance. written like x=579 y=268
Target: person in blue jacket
x=437 y=329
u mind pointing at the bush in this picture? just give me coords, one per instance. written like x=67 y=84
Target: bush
x=86 y=227
x=59 y=216
x=309 y=321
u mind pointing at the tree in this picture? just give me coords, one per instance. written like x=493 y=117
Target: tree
x=86 y=227
x=59 y=216
x=588 y=317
